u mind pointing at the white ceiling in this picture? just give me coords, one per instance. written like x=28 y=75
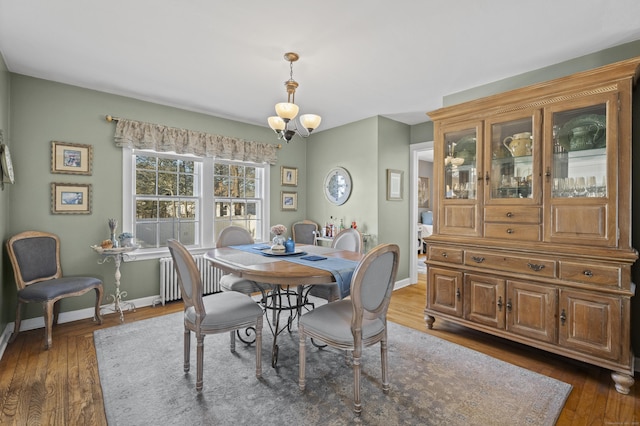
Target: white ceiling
x=358 y=58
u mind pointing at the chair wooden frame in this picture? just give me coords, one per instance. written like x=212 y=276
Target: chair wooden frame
x=234 y=310
x=367 y=306
x=51 y=305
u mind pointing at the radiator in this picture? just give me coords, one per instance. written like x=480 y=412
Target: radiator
x=169 y=288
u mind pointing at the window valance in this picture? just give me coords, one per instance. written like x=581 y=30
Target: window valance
x=141 y=135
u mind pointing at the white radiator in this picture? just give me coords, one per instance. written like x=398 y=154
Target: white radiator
x=169 y=288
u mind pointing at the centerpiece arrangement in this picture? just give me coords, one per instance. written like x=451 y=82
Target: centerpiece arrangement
x=278 y=240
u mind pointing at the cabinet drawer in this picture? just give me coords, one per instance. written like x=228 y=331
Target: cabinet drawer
x=513 y=231
x=513 y=214
x=445 y=254
x=591 y=274
x=524 y=265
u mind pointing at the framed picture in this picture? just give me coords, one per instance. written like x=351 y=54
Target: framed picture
x=70 y=198
x=289 y=176
x=71 y=158
x=394 y=185
x=424 y=193
x=289 y=201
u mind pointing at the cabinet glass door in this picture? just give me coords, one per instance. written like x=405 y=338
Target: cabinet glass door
x=579 y=159
x=460 y=165
x=511 y=158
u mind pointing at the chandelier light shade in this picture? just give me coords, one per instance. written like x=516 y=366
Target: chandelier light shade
x=284 y=124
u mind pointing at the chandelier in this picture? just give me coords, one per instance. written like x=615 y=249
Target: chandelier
x=284 y=124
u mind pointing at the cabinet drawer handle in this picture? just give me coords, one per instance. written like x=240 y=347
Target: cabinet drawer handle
x=588 y=273
x=509 y=231
x=509 y=214
x=500 y=303
x=535 y=267
x=509 y=306
x=486 y=178
x=458 y=293
x=563 y=317
x=444 y=254
x=477 y=259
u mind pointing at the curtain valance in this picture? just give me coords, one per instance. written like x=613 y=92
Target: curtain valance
x=141 y=135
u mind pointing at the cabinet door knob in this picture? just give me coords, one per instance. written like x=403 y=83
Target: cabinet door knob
x=588 y=273
x=510 y=231
x=548 y=172
x=486 y=178
x=444 y=254
x=509 y=214
x=509 y=305
x=500 y=304
x=563 y=317
x=458 y=293
x=477 y=259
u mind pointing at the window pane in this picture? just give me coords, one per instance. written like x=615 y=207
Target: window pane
x=187 y=232
x=146 y=183
x=249 y=188
x=187 y=210
x=167 y=209
x=167 y=184
x=223 y=209
x=250 y=172
x=144 y=162
x=146 y=209
x=185 y=166
x=236 y=188
x=238 y=210
x=167 y=164
x=185 y=185
x=146 y=234
x=220 y=186
x=221 y=169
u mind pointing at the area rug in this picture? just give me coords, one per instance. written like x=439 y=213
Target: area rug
x=433 y=382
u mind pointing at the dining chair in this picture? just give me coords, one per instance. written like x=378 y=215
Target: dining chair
x=361 y=320
x=347 y=239
x=305 y=232
x=232 y=236
x=35 y=257
x=212 y=314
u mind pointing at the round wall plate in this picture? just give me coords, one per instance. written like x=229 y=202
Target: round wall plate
x=337 y=186
x=5 y=163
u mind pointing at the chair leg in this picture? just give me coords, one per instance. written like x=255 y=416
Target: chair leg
x=232 y=341
x=187 y=349
x=49 y=307
x=97 y=315
x=199 y=361
x=56 y=311
x=302 y=362
x=357 y=405
x=259 y=347
x=385 y=365
x=16 y=328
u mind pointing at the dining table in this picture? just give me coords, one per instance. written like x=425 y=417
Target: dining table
x=289 y=274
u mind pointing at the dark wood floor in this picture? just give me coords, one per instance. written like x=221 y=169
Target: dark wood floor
x=61 y=386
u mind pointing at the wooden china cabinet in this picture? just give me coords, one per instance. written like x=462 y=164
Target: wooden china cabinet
x=532 y=217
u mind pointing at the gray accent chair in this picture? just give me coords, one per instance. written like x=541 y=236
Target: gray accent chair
x=35 y=257
x=212 y=314
x=347 y=239
x=350 y=324
x=305 y=232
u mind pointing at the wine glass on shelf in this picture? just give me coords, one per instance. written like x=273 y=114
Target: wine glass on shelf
x=591 y=186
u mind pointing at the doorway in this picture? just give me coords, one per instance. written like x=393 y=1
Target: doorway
x=421 y=167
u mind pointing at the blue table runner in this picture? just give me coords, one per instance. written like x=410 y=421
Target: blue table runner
x=341 y=269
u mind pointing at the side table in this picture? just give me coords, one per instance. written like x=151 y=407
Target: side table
x=116 y=255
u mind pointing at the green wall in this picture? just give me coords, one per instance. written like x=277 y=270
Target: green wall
x=6 y=294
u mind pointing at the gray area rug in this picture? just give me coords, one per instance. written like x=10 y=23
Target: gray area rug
x=433 y=382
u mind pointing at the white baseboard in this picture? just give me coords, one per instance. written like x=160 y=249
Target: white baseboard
x=402 y=283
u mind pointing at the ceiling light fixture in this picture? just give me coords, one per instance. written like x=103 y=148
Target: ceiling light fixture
x=284 y=123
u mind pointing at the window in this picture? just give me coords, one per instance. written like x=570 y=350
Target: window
x=190 y=199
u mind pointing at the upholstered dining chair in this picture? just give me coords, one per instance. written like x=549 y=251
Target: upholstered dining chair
x=37 y=269
x=350 y=324
x=212 y=314
x=305 y=232
x=347 y=239
x=233 y=236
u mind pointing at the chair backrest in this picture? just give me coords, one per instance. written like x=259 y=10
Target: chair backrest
x=348 y=239
x=35 y=257
x=188 y=277
x=234 y=236
x=304 y=232
x=372 y=284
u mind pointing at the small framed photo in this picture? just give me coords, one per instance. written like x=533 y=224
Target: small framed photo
x=289 y=176
x=71 y=158
x=289 y=201
x=70 y=198
x=394 y=185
